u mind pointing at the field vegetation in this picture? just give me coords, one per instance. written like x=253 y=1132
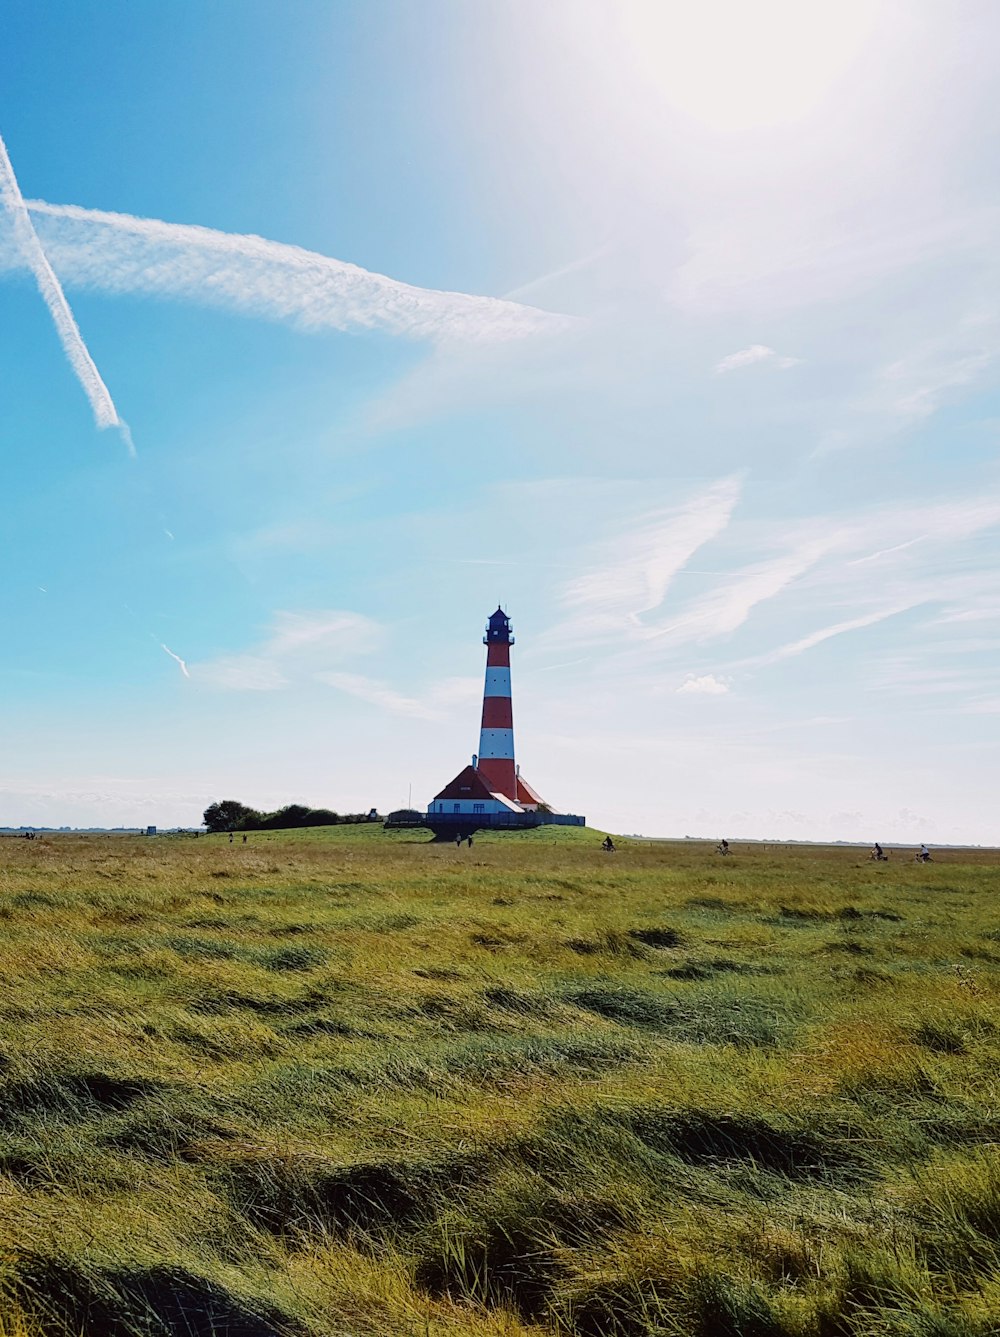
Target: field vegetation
x=354 y=1082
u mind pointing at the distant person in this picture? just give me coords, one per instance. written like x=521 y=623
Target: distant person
x=458 y=840
x=608 y=846
x=878 y=854
x=244 y=838
x=469 y=842
x=230 y=837
x=924 y=854
x=723 y=846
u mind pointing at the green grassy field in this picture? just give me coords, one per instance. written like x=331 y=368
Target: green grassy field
x=346 y=1081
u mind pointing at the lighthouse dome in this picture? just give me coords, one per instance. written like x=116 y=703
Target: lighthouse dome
x=499 y=628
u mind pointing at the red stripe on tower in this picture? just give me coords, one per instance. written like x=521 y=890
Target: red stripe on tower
x=497 y=713
x=496 y=737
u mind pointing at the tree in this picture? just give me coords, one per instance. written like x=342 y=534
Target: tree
x=321 y=817
x=227 y=815
x=292 y=815
x=295 y=814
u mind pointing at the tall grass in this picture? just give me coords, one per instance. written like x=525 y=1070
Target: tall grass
x=352 y=1081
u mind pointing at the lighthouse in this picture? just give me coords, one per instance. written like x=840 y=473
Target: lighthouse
x=492 y=790
x=496 y=735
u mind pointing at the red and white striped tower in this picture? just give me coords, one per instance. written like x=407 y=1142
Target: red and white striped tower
x=496 y=737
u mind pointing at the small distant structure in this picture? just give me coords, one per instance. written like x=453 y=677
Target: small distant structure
x=150 y=830
x=491 y=791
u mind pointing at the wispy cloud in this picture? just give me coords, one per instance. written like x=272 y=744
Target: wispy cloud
x=886 y=552
x=819 y=557
x=985 y=608
x=814 y=569
x=915 y=386
x=571 y=267
x=911 y=674
x=807 y=256
x=984 y=706
x=726 y=608
x=901 y=393
x=241 y=673
x=299 y=645
x=633 y=572
x=435 y=704
x=328 y=632
x=378 y=694
x=119 y=253
x=29 y=251
x=815 y=638
x=746 y=357
x=177 y=659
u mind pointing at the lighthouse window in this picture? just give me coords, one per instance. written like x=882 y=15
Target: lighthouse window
x=479 y=807
x=458 y=807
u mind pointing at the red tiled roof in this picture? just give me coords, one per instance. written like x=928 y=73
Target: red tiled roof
x=469 y=783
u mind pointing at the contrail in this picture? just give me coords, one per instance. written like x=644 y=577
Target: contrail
x=120 y=253
x=176 y=658
x=33 y=254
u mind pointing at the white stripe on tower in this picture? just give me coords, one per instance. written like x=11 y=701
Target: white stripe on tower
x=497 y=743
x=497 y=682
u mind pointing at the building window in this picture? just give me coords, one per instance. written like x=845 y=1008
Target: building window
x=478 y=807
x=457 y=807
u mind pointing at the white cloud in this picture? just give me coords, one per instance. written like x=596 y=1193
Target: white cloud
x=119 y=253
x=746 y=357
x=707 y=685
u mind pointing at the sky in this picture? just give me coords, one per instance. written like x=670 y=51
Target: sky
x=675 y=329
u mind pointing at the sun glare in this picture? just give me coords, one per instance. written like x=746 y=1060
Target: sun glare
x=740 y=64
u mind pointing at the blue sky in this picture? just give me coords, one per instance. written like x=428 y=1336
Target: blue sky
x=674 y=329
